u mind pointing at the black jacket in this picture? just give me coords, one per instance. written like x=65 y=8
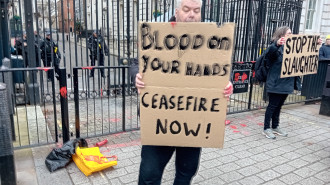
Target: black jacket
x=46 y=50
x=19 y=45
x=324 y=52
x=274 y=83
x=97 y=43
x=37 y=42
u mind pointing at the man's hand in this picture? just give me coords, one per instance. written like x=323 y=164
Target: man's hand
x=228 y=90
x=319 y=42
x=138 y=82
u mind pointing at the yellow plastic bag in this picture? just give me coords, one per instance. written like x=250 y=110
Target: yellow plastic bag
x=91 y=160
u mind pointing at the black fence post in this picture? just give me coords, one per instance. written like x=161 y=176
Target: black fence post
x=124 y=98
x=203 y=11
x=64 y=105
x=255 y=48
x=54 y=103
x=32 y=85
x=248 y=29
x=128 y=29
x=76 y=101
x=4 y=36
x=298 y=6
x=28 y=11
x=251 y=87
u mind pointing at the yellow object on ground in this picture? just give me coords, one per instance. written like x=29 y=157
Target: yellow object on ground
x=91 y=160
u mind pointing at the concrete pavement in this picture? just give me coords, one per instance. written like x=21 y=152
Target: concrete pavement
x=247 y=157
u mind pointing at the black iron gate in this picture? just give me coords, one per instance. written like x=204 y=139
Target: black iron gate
x=33 y=121
x=104 y=105
x=71 y=24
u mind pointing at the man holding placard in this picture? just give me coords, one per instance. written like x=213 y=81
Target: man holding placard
x=288 y=57
x=187 y=88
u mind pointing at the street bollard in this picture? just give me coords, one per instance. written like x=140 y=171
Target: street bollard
x=325 y=102
x=8 y=80
x=7 y=162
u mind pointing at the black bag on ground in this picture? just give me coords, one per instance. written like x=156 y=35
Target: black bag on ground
x=60 y=157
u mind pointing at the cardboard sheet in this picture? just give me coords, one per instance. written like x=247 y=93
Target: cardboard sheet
x=300 y=55
x=185 y=67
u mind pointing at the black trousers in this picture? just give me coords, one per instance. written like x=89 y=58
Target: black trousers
x=101 y=63
x=48 y=63
x=155 y=158
x=273 y=109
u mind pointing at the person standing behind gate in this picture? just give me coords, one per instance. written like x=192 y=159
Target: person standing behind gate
x=21 y=45
x=37 y=41
x=97 y=47
x=324 y=53
x=277 y=88
x=48 y=50
x=155 y=158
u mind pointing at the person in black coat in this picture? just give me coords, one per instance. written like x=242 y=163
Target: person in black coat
x=21 y=48
x=277 y=88
x=21 y=45
x=97 y=47
x=37 y=42
x=324 y=53
x=50 y=55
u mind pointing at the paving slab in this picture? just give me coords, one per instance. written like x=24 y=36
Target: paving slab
x=247 y=157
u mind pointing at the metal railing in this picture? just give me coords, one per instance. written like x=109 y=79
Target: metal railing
x=255 y=98
x=34 y=121
x=104 y=105
x=110 y=104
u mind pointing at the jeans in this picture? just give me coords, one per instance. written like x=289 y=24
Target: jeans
x=273 y=109
x=155 y=158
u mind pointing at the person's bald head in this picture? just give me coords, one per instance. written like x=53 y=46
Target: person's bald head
x=188 y=10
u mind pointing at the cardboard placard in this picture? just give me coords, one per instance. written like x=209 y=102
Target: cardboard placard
x=241 y=80
x=300 y=55
x=185 y=68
